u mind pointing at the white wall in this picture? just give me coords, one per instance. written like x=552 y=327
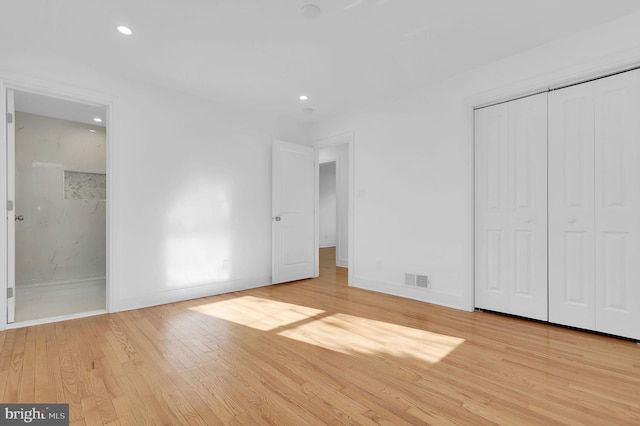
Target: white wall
x=413 y=206
x=190 y=179
x=60 y=238
x=327 y=208
x=340 y=155
x=189 y=185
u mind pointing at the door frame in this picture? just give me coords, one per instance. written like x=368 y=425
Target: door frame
x=339 y=139
x=73 y=95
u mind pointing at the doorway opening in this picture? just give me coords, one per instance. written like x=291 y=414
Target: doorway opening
x=333 y=209
x=58 y=185
x=327 y=193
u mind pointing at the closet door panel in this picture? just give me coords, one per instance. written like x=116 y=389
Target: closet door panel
x=492 y=209
x=511 y=207
x=617 y=204
x=528 y=207
x=571 y=216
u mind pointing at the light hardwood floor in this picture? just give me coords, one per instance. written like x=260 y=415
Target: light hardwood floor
x=319 y=352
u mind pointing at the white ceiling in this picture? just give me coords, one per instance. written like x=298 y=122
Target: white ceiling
x=60 y=108
x=264 y=53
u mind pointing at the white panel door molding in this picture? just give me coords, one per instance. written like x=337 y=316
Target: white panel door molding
x=293 y=212
x=617 y=204
x=511 y=207
x=571 y=219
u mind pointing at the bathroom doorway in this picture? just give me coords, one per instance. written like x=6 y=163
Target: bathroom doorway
x=58 y=184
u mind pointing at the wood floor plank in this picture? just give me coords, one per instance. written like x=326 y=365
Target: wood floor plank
x=320 y=352
x=8 y=341
x=127 y=416
x=15 y=368
x=28 y=379
x=42 y=390
x=54 y=378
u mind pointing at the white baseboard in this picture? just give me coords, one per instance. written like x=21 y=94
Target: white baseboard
x=342 y=263
x=436 y=298
x=326 y=245
x=66 y=283
x=180 y=295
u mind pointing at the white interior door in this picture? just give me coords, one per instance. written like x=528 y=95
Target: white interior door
x=617 y=204
x=511 y=207
x=528 y=207
x=293 y=212
x=11 y=217
x=492 y=208
x=571 y=216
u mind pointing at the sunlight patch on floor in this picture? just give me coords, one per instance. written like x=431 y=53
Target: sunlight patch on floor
x=261 y=314
x=354 y=335
x=348 y=334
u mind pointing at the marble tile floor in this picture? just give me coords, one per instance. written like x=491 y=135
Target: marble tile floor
x=34 y=302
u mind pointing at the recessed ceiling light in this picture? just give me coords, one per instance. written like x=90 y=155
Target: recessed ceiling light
x=97 y=119
x=310 y=11
x=308 y=111
x=92 y=131
x=124 y=30
x=303 y=97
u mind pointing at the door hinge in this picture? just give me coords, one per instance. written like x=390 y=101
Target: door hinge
x=9 y=118
x=9 y=292
x=9 y=205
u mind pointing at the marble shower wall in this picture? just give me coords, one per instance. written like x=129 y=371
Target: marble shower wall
x=61 y=192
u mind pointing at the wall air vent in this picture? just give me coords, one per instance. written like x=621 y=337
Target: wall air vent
x=416 y=280
x=422 y=281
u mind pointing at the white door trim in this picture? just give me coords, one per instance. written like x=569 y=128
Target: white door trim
x=3 y=199
x=75 y=95
x=10 y=132
x=340 y=139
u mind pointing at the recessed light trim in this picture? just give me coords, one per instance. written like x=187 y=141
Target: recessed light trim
x=123 y=29
x=97 y=119
x=308 y=111
x=310 y=11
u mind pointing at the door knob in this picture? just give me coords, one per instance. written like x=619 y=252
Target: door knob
x=19 y=218
x=277 y=218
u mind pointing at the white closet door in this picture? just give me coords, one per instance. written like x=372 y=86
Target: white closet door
x=571 y=218
x=511 y=207
x=528 y=207
x=492 y=208
x=617 y=204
